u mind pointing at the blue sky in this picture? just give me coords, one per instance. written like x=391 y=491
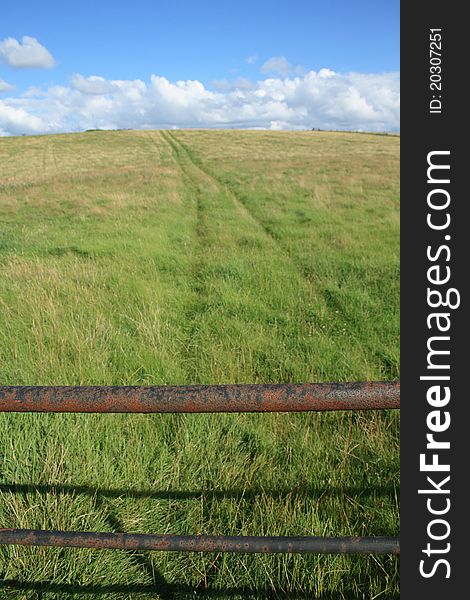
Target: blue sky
x=230 y=48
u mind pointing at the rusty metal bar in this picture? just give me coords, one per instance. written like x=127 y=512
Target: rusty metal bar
x=202 y=543
x=199 y=399
x=202 y=398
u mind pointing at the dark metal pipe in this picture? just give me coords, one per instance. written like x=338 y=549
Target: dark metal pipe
x=202 y=543
x=202 y=398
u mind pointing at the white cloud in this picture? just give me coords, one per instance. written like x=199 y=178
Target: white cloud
x=251 y=59
x=16 y=121
x=241 y=83
x=28 y=53
x=323 y=99
x=92 y=85
x=326 y=73
x=5 y=87
x=279 y=65
x=33 y=91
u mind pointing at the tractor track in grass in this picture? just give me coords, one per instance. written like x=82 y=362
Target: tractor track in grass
x=193 y=168
x=192 y=177
x=243 y=208
x=237 y=201
x=199 y=305
x=333 y=305
x=49 y=159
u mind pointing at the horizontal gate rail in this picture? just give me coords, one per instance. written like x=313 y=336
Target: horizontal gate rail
x=202 y=398
x=202 y=543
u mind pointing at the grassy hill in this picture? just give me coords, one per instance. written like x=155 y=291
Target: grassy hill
x=185 y=257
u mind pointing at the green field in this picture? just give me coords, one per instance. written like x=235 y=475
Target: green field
x=199 y=257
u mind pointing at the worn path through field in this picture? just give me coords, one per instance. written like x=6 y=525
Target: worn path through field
x=313 y=295
x=244 y=211
x=194 y=199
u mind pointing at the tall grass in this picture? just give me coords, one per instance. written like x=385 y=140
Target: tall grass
x=198 y=257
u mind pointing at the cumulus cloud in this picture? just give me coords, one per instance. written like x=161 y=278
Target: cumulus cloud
x=28 y=53
x=241 y=83
x=16 y=121
x=5 y=87
x=323 y=99
x=92 y=85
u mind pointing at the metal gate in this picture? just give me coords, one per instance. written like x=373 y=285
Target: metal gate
x=202 y=399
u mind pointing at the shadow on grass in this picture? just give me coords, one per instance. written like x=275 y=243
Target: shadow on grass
x=176 y=591
x=296 y=491
x=140 y=559
x=159 y=586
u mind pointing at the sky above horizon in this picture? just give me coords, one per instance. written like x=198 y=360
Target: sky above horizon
x=145 y=65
